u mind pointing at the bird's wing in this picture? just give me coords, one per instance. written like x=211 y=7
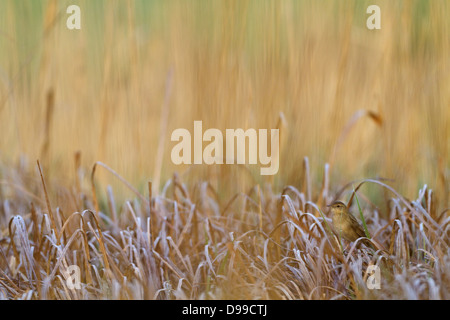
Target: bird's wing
x=357 y=226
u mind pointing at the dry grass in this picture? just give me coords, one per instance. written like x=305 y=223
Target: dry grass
x=140 y=69
x=189 y=245
x=350 y=104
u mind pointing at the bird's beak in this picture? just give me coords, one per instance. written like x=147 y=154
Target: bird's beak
x=329 y=205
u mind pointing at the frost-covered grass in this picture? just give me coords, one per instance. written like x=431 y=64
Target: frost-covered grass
x=359 y=103
x=189 y=245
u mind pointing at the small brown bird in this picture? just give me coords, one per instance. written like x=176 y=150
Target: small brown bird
x=344 y=223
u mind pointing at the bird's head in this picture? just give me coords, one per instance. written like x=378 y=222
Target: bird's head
x=338 y=207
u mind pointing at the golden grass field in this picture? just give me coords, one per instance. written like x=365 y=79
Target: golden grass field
x=97 y=106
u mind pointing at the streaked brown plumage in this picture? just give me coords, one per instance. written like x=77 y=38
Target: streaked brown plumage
x=344 y=223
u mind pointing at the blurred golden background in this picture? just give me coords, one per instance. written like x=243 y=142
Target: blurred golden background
x=372 y=103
